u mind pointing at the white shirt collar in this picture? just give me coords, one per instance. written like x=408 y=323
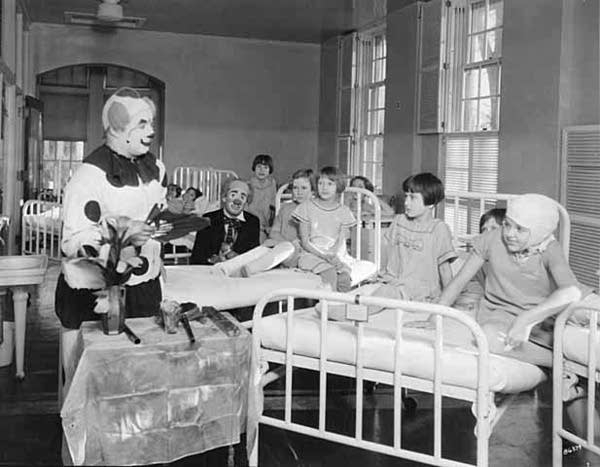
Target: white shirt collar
x=239 y=217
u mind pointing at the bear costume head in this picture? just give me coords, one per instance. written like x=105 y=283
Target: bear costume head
x=128 y=121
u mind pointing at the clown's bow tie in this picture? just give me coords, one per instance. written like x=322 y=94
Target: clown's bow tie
x=230 y=221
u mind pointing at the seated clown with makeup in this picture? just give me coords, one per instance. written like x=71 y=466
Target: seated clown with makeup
x=232 y=231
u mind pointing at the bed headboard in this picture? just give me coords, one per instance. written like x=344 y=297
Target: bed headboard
x=206 y=179
x=368 y=236
x=462 y=209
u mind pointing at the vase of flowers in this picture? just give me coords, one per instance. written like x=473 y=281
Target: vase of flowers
x=105 y=267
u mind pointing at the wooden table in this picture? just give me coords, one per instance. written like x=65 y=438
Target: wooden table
x=158 y=401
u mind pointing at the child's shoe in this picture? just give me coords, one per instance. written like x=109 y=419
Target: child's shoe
x=570 y=388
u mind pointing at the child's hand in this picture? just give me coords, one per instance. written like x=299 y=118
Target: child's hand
x=270 y=243
x=518 y=333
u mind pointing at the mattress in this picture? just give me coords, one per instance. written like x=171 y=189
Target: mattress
x=206 y=286
x=575 y=345
x=459 y=359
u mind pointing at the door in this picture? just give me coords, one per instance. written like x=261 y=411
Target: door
x=32 y=167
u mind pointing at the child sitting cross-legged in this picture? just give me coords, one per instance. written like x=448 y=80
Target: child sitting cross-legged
x=283 y=245
x=324 y=225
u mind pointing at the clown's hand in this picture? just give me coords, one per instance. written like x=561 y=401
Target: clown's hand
x=139 y=232
x=163 y=229
x=518 y=333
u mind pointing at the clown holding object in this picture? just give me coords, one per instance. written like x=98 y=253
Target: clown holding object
x=116 y=189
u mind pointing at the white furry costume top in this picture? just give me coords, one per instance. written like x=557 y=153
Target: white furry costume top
x=119 y=178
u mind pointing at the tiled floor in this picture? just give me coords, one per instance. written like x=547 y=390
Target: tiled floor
x=30 y=431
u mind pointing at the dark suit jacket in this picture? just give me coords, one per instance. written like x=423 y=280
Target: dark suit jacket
x=208 y=241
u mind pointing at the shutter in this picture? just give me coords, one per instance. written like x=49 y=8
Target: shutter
x=428 y=53
x=580 y=193
x=345 y=86
x=471 y=165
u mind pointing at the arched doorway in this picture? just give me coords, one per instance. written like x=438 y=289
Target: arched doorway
x=70 y=103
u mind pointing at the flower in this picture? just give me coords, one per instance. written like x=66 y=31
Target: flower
x=110 y=261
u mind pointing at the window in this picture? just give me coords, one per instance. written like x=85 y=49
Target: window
x=363 y=111
x=470 y=84
x=61 y=158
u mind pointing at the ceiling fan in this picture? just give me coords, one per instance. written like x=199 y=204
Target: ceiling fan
x=108 y=15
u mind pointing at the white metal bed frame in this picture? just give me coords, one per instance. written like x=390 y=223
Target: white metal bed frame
x=589 y=371
x=483 y=407
x=40 y=237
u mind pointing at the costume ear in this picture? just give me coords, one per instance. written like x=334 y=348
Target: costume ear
x=92 y=210
x=118 y=116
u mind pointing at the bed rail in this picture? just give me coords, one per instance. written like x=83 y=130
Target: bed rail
x=41 y=228
x=483 y=401
x=206 y=179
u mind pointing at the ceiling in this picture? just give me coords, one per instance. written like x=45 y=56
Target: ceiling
x=284 y=20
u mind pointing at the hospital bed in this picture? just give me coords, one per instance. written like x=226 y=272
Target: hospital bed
x=452 y=361
x=205 y=285
x=41 y=228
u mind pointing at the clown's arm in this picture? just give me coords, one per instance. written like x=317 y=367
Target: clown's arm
x=81 y=211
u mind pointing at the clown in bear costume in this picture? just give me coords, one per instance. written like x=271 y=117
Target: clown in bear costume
x=120 y=178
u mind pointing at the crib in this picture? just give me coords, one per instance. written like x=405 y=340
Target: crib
x=576 y=350
x=444 y=363
x=41 y=228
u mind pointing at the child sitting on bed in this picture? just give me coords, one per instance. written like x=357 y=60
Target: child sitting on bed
x=323 y=227
x=417 y=249
x=528 y=281
x=264 y=188
x=367 y=208
x=283 y=245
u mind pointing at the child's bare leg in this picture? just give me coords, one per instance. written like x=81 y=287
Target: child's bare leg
x=526 y=352
x=271 y=258
x=329 y=276
x=577 y=413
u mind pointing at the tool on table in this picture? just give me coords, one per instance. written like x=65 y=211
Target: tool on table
x=188 y=329
x=131 y=335
x=191 y=311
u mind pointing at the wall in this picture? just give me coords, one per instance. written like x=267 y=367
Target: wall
x=226 y=99
x=401 y=149
x=328 y=104
x=579 y=97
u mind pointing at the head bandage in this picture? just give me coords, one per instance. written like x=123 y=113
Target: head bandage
x=538 y=213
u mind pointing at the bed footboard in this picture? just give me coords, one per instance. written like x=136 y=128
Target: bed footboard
x=483 y=407
x=41 y=228
x=562 y=366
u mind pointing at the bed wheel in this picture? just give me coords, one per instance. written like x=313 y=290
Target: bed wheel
x=410 y=404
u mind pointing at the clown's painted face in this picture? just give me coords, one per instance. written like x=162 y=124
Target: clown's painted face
x=140 y=133
x=129 y=125
x=236 y=198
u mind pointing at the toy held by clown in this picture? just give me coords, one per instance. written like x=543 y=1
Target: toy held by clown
x=120 y=178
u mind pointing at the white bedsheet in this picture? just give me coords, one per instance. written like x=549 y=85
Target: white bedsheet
x=206 y=286
x=49 y=220
x=459 y=359
x=575 y=345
